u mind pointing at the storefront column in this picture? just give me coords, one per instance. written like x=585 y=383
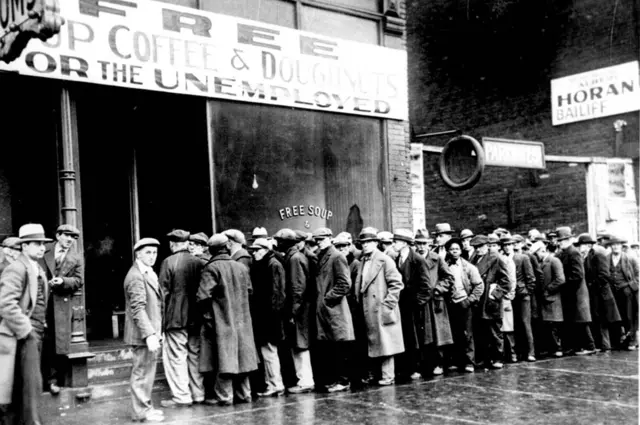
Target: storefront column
x=71 y=328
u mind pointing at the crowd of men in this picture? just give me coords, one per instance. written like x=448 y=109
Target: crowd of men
x=297 y=312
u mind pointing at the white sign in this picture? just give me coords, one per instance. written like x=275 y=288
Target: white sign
x=600 y=93
x=151 y=45
x=417 y=187
x=513 y=153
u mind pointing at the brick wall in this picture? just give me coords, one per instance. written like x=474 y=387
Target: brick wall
x=485 y=69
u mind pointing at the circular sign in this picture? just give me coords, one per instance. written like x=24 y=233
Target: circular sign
x=462 y=162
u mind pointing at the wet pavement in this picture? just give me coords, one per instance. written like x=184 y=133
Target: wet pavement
x=598 y=389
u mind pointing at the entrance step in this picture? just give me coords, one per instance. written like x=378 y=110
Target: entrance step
x=113 y=364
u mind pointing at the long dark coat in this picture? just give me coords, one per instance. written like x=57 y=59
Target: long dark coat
x=596 y=273
x=535 y=297
x=575 y=295
x=551 y=290
x=267 y=305
x=437 y=326
x=333 y=317
x=377 y=293
x=413 y=297
x=243 y=257
x=179 y=278
x=493 y=269
x=223 y=298
x=299 y=294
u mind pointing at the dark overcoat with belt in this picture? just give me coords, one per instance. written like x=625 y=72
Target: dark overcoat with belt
x=333 y=283
x=228 y=346
x=377 y=293
x=179 y=278
x=413 y=297
x=267 y=302
x=143 y=307
x=596 y=273
x=550 y=290
x=437 y=326
x=299 y=295
x=575 y=295
x=493 y=270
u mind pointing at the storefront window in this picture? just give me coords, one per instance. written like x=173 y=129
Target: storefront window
x=277 y=12
x=339 y=25
x=279 y=167
x=369 y=5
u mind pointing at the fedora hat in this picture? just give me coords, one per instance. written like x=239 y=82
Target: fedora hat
x=386 y=237
x=422 y=235
x=443 y=228
x=145 y=242
x=479 y=240
x=507 y=239
x=584 y=238
x=493 y=238
x=563 y=233
x=259 y=232
x=466 y=233
x=403 y=235
x=614 y=240
x=368 y=234
x=32 y=232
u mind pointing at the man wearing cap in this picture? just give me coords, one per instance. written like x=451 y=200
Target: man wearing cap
x=23 y=300
x=236 y=247
x=495 y=275
x=421 y=241
x=198 y=246
x=267 y=312
x=413 y=297
x=386 y=244
x=575 y=296
x=443 y=233
x=467 y=249
x=535 y=295
x=179 y=278
x=259 y=232
x=377 y=289
x=334 y=324
x=11 y=250
x=299 y=292
x=65 y=271
x=343 y=244
x=143 y=327
x=550 y=297
x=624 y=276
x=228 y=348
x=604 y=311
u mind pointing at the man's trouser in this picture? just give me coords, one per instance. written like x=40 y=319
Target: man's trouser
x=180 y=359
x=143 y=374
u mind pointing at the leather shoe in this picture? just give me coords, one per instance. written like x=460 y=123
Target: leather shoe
x=172 y=403
x=300 y=389
x=385 y=382
x=54 y=389
x=271 y=393
x=469 y=368
x=497 y=365
x=531 y=359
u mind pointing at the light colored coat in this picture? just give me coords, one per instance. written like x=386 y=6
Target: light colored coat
x=378 y=292
x=18 y=292
x=143 y=307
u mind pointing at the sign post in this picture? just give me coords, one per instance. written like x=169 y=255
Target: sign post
x=514 y=153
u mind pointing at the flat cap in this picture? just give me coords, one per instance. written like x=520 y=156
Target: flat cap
x=369 y=234
x=68 y=229
x=493 y=238
x=199 y=238
x=422 y=235
x=479 y=240
x=259 y=232
x=218 y=240
x=261 y=243
x=145 y=242
x=323 y=232
x=236 y=236
x=11 y=242
x=500 y=231
x=466 y=233
x=178 y=235
x=340 y=240
x=302 y=235
x=385 y=236
x=285 y=235
x=403 y=235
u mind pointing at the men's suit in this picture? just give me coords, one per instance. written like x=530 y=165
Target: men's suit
x=604 y=310
x=551 y=301
x=624 y=277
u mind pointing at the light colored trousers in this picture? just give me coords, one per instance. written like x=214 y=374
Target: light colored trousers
x=302 y=365
x=272 y=373
x=227 y=385
x=180 y=359
x=143 y=375
x=387 y=367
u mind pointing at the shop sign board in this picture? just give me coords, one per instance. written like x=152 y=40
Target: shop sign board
x=147 y=44
x=606 y=91
x=513 y=153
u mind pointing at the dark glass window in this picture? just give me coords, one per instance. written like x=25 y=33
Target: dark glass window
x=339 y=25
x=277 y=12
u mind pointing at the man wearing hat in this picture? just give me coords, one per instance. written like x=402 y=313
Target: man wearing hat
x=11 y=250
x=467 y=250
x=443 y=234
x=143 y=327
x=23 y=302
x=495 y=275
x=65 y=272
x=236 y=243
x=259 y=232
x=376 y=291
x=575 y=296
x=228 y=347
x=624 y=277
x=267 y=312
x=386 y=244
x=421 y=241
x=198 y=246
x=604 y=311
x=299 y=290
x=179 y=278
x=334 y=324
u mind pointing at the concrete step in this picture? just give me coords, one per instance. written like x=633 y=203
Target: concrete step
x=113 y=364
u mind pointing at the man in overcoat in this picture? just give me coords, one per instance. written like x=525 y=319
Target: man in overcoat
x=495 y=275
x=421 y=241
x=143 y=327
x=334 y=325
x=299 y=293
x=223 y=300
x=65 y=271
x=604 y=311
x=624 y=276
x=467 y=250
x=442 y=234
x=198 y=246
x=11 y=250
x=179 y=278
x=23 y=300
x=377 y=289
x=550 y=296
x=267 y=312
x=575 y=296
x=236 y=245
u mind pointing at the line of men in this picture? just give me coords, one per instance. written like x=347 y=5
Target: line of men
x=332 y=316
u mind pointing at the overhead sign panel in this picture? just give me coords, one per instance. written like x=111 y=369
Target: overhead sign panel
x=513 y=153
x=152 y=45
x=606 y=91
